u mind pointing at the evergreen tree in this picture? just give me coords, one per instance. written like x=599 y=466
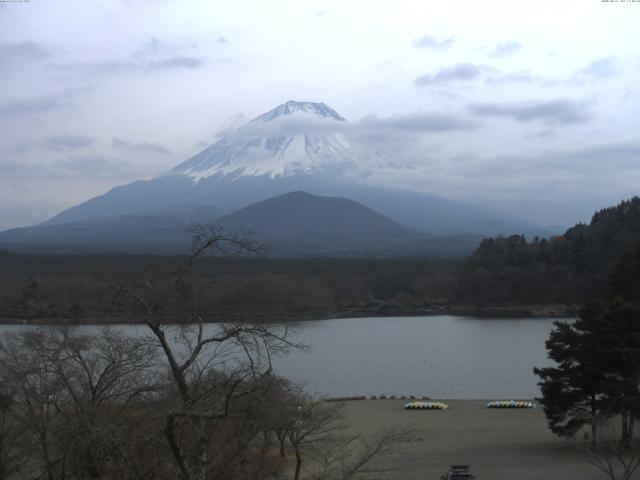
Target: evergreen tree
x=616 y=326
x=597 y=372
x=573 y=392
x=624 y=281
x=568 y=269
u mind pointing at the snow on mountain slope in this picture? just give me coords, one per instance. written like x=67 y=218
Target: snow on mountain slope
x=292 y=107
x=295 y=137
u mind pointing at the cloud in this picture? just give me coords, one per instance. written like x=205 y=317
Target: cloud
x=523 y=76
x=153 y=55
x=579 y=180
x=465 y=72
x=459 y=72
x=27 y=106
x=418 y=122
x=43 y=103
x=561 y=111
x=126 y=66
x=371 y=127
x=505 y=49
x=154 y=47
x=590 y=162
x=177 y=62
x=605 y=67
x=13 y=168
x=23 y=52
x=150 y=47
x=83 y=166
x=68 y=142
x=543 y=134
x=143 y=147
x=103 y=67
x=57 y=143
x=401 y=137
x=93 y=166
x=389 y=141
x=433 y=43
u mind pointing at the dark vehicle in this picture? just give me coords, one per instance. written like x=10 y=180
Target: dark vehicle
x=458 y=472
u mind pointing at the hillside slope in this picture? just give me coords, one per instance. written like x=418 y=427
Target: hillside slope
x=293 y=224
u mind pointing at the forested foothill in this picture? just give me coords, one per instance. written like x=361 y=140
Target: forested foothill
x=505 y=275
x=566 y=269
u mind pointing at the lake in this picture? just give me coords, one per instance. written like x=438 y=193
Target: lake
x=439 y=356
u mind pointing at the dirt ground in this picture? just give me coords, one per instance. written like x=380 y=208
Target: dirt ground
x=498 y=444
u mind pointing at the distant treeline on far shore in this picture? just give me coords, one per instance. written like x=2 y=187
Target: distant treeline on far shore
x=504 y=274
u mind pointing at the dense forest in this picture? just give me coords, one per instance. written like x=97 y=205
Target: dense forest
x=566 y=269
x=505 y=275
x=72 y=287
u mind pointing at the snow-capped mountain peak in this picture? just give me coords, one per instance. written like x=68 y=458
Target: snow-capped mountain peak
x=291 y=107
x=297 y=146
x=293 y=138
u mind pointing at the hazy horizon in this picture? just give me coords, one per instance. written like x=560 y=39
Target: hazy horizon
x=528 y=108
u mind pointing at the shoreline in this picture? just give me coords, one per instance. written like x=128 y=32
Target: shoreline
x=494 y=312
x=517 y=311
x=421 y=398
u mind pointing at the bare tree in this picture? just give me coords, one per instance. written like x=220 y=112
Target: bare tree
x=617 y=459
x=34 y=388
x=70 y=392
x=312 y=422
x=187 y=400
x=344 y=456
x=213 y=372
x=316 y=431
x=11 y=458
x=104 y=375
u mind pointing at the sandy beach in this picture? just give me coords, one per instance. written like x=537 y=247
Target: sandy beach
x=499 y=444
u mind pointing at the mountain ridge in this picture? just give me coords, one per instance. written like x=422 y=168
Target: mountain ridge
x=300 y=214
x=293 y=224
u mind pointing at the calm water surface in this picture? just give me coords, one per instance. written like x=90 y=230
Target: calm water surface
x=438 y=356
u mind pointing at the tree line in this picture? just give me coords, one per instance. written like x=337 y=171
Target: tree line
x=70 y=288
x=508 y=272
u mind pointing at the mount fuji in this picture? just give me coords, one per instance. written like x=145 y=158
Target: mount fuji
x=294 y=138
x=296 y=147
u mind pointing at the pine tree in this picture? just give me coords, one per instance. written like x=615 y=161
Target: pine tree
x=573 y=392
x=597 y=372
x=624 y=281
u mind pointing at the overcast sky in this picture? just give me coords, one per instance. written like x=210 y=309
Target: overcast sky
x=531 y=108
